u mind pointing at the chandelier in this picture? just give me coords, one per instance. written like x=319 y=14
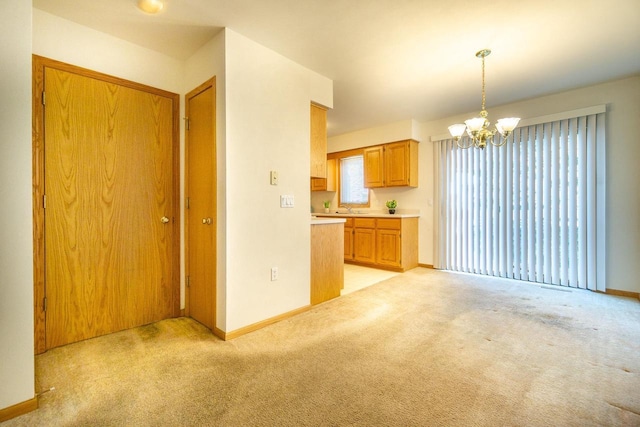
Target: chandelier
x=477 y=128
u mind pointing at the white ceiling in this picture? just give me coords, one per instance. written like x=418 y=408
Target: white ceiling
x=393 y=60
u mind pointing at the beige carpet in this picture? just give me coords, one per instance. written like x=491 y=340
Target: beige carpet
x=422 y=348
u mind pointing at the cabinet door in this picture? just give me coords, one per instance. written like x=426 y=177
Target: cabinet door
x=374 y=167
x=318 y=142
x=318 y=184
x=388 y=247
x=401 y=164
x=348 y=243
x=364 y=245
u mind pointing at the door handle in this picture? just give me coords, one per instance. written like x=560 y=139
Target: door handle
x=164 y=220
x=207 y=221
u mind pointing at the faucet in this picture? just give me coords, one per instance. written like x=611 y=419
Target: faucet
x=349 y=208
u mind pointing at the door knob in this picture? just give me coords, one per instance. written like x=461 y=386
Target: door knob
x=206 y=221
x=164 y=220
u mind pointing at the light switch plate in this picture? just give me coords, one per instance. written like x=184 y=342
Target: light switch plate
x=273 y=176
x=286 y=201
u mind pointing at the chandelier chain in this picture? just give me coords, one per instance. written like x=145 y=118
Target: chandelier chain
x=483 y=94
x=477 y=127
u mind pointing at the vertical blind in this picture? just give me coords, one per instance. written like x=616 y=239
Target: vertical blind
x=532 y=209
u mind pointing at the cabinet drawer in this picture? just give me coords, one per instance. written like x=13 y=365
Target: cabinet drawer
x=364 y=222
x=389 y=224
x=349 y=222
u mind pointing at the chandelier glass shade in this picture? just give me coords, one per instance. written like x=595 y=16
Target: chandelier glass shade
x=478 y=127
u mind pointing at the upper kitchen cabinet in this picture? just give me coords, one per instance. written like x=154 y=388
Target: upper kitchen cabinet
x=318 y=142
x=374 y=166
x=391 y=165
x=328 y=183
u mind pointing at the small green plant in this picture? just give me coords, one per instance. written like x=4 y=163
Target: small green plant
x=327 y=204
x=391 y=204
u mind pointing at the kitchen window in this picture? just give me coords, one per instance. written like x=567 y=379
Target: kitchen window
x=351 y=173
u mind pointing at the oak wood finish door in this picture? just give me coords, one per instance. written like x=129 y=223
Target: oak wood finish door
x=201 y=203
x=109 y=175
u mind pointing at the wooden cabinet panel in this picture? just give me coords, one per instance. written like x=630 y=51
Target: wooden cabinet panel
x=348 y=239
x=389 y=223
x=327 y=266
x=318 y=142
x=396 y=164
x=374 y=167
x=328 y=183
x=348 y=243
x=388 y=247
x=409 y=243
x=364 y=222
x=364 y=245
x=318 y=184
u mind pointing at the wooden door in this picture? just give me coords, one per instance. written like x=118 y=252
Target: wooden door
x=110 y=220
x=201 y=204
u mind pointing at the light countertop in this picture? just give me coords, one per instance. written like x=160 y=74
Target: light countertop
x=367 y=215
x=324 y=221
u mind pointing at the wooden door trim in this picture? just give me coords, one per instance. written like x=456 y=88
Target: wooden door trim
x=210 y=83
x=39 y=64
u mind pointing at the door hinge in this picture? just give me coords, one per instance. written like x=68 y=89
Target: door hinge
x=186 y=122
x=44 y=98
x=44 y=201
x=188 y=203
x=44 y=304
x=188 y=281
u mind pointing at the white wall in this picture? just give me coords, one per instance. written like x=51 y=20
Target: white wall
x=623 y=176
x=262 y=102
x=267 y=128
x=66 y=41
x=16 y=241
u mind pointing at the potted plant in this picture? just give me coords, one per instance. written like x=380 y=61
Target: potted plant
x=327 y=205
x=391 y=204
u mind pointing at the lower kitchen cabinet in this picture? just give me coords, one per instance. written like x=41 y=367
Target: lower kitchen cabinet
x=388 y=243
x=388 y=247
x=348 y=239
x=364 y=240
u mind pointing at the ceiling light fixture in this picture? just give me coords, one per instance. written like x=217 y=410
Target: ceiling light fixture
x=150 y=6
x=477 y=127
